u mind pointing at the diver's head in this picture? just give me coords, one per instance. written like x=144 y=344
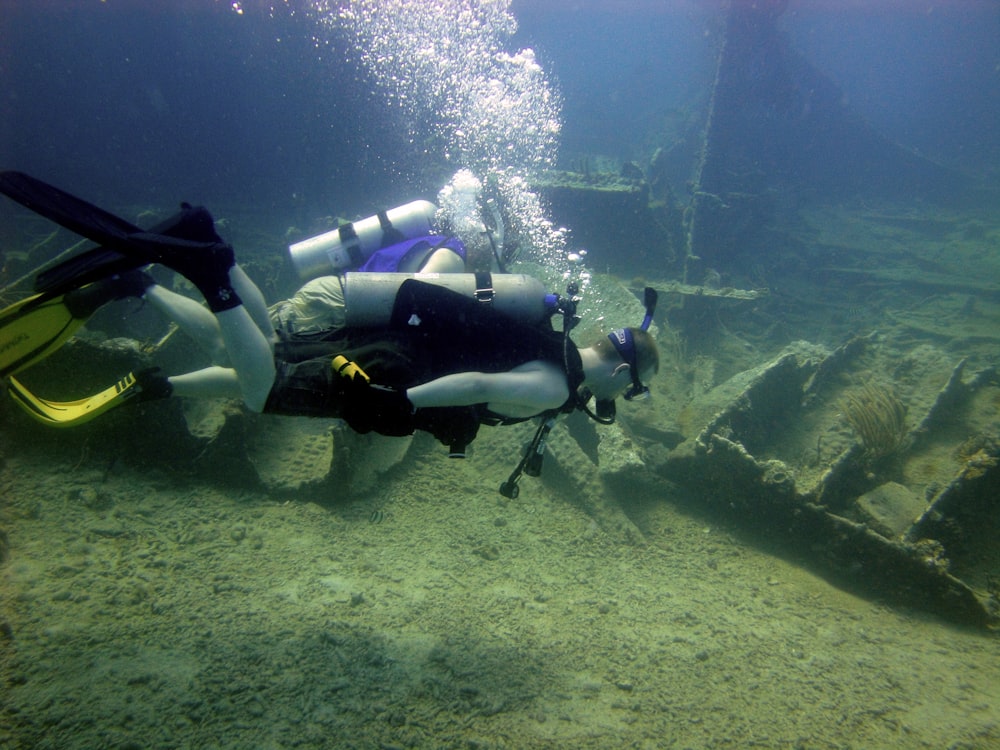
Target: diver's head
x=636 y=348
x=619 y=364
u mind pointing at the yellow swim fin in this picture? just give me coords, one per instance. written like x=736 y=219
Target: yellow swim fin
x=73 y=413
x=30 y=330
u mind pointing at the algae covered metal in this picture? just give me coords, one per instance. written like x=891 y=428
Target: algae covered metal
x=904 y=507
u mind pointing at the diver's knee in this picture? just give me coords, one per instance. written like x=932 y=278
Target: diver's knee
x=257 y=390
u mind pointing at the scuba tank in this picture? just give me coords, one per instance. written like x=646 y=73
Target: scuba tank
x=369 y=297
x=350 y=245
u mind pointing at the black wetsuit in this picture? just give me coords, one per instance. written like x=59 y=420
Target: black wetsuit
x=454 y=334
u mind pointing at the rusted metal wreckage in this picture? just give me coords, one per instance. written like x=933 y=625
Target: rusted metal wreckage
x=904 y=508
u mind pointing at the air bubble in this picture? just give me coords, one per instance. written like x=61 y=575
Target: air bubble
x=444 y=62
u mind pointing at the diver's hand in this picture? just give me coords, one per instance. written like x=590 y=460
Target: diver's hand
x=375 y=407
x=368 y=407
x=371 y=407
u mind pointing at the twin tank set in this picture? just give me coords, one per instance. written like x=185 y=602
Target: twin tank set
x=369 y=297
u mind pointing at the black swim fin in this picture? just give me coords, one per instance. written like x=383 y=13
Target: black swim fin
x=84 y=268
x=70 y=292
x=67 y=210
x=124 y=246
x=190 y=223
x=179 y=249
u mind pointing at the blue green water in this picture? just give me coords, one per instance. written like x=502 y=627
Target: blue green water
x=184 y=578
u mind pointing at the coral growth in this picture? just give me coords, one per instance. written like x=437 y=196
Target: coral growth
x=878 y=417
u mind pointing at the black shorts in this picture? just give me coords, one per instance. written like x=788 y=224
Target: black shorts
x=304 y=389
x=306 y=385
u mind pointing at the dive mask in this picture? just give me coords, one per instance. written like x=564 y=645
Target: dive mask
x=624 y=344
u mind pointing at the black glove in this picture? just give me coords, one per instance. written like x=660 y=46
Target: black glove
x=376 y=407
x=151 y=385
x=367 y=407
x=455 y=426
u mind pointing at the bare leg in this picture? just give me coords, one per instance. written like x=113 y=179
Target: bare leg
x=234 y=339
x=212 y=382
x=252 y=374
x=200 y=324
x=251 y=354
x=193 y=318
x=253 y=300
x=212 y=268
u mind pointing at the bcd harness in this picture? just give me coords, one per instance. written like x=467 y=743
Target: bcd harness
x=407 y=353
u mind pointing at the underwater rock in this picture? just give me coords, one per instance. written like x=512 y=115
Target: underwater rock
x=359 y=461
x=291 y=454
x=589 y=478
x=890 y=509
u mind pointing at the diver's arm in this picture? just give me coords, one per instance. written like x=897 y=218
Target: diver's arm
x=526 y=390
x=443 y=260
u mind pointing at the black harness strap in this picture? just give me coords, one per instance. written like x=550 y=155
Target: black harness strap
x=484 y=287
x=349 y=239
x=390 y=235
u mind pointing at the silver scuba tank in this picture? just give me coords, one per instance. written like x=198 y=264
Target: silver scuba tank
x=369 y=297
x=350 y=245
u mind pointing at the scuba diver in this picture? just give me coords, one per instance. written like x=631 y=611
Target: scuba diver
x=440 y=361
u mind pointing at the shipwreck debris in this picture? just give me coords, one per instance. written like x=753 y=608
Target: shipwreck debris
x=906 y=515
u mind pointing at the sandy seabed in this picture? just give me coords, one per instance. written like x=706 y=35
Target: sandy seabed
x=144 y=606
x=151 y=612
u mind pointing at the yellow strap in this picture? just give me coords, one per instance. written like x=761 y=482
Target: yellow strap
x=72 y=413
x=348 y=369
